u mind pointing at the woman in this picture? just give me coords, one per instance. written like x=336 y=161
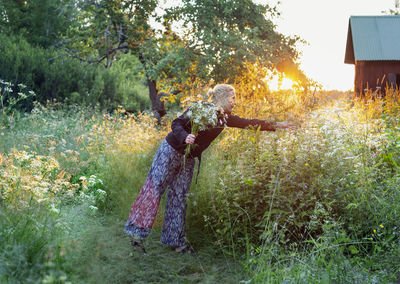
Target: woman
x=170 y=169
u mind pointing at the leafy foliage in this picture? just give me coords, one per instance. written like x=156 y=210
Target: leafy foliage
x=183 y=46
x=41 y=22
x=320 y=203
x=290 y=184
x=54 y=77
x=223 y=35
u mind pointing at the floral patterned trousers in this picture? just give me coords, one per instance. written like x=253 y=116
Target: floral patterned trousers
x=168 y=170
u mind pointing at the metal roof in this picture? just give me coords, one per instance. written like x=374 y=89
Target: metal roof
x=373 y=38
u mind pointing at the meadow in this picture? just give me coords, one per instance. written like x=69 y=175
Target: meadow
x=319 y=204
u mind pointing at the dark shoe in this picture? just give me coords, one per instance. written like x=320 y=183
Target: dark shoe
x=184 y=249
x=138 y=244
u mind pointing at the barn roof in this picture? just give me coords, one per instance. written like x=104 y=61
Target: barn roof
x=373 y=38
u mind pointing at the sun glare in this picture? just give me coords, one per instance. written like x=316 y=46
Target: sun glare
x=276 y=83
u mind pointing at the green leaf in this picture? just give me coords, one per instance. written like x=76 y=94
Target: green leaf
x=353 y=249
x=351 y=205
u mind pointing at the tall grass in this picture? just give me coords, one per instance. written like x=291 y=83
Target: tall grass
x=318 y=204
x=74 y=235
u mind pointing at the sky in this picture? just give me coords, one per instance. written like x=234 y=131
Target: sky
x=323 y=24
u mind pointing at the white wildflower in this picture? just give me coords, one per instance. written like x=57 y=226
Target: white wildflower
x=53 y=209
x=93 y=209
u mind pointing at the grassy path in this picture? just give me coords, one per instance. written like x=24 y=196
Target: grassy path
x=107 y=257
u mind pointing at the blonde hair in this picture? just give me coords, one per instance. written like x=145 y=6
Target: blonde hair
x=220 y=95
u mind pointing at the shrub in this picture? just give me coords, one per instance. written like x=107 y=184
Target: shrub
x=55 y=76
x=287 y=186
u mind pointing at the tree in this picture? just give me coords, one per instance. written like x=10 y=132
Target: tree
x=184 y=45
x=107 y=27
x=41 y=22
x=223 y=35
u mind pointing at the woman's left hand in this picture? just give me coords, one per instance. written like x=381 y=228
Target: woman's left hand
x=286 y=125
x=190 y=139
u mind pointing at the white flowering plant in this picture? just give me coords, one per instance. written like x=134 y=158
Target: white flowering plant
x=92 y=192
x=204 y=115
x=10 y=97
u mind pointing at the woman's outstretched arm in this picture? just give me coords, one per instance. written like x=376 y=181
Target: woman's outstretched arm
x=239 y=122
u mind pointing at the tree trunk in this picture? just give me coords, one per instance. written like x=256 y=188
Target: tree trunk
x=157 y=105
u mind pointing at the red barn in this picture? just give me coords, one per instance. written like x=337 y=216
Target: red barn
x=373 y=46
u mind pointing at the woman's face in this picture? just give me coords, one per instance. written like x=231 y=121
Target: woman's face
x=226 y=101
x=231 y=100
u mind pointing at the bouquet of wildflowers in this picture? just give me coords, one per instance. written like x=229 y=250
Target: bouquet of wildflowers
x=202 y=115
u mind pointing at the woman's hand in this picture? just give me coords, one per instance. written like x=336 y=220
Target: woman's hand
x=190 y=139
x=286 y=125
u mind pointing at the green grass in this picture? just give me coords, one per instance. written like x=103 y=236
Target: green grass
x=109 y=258
x=319 y=205
x=77 y=246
